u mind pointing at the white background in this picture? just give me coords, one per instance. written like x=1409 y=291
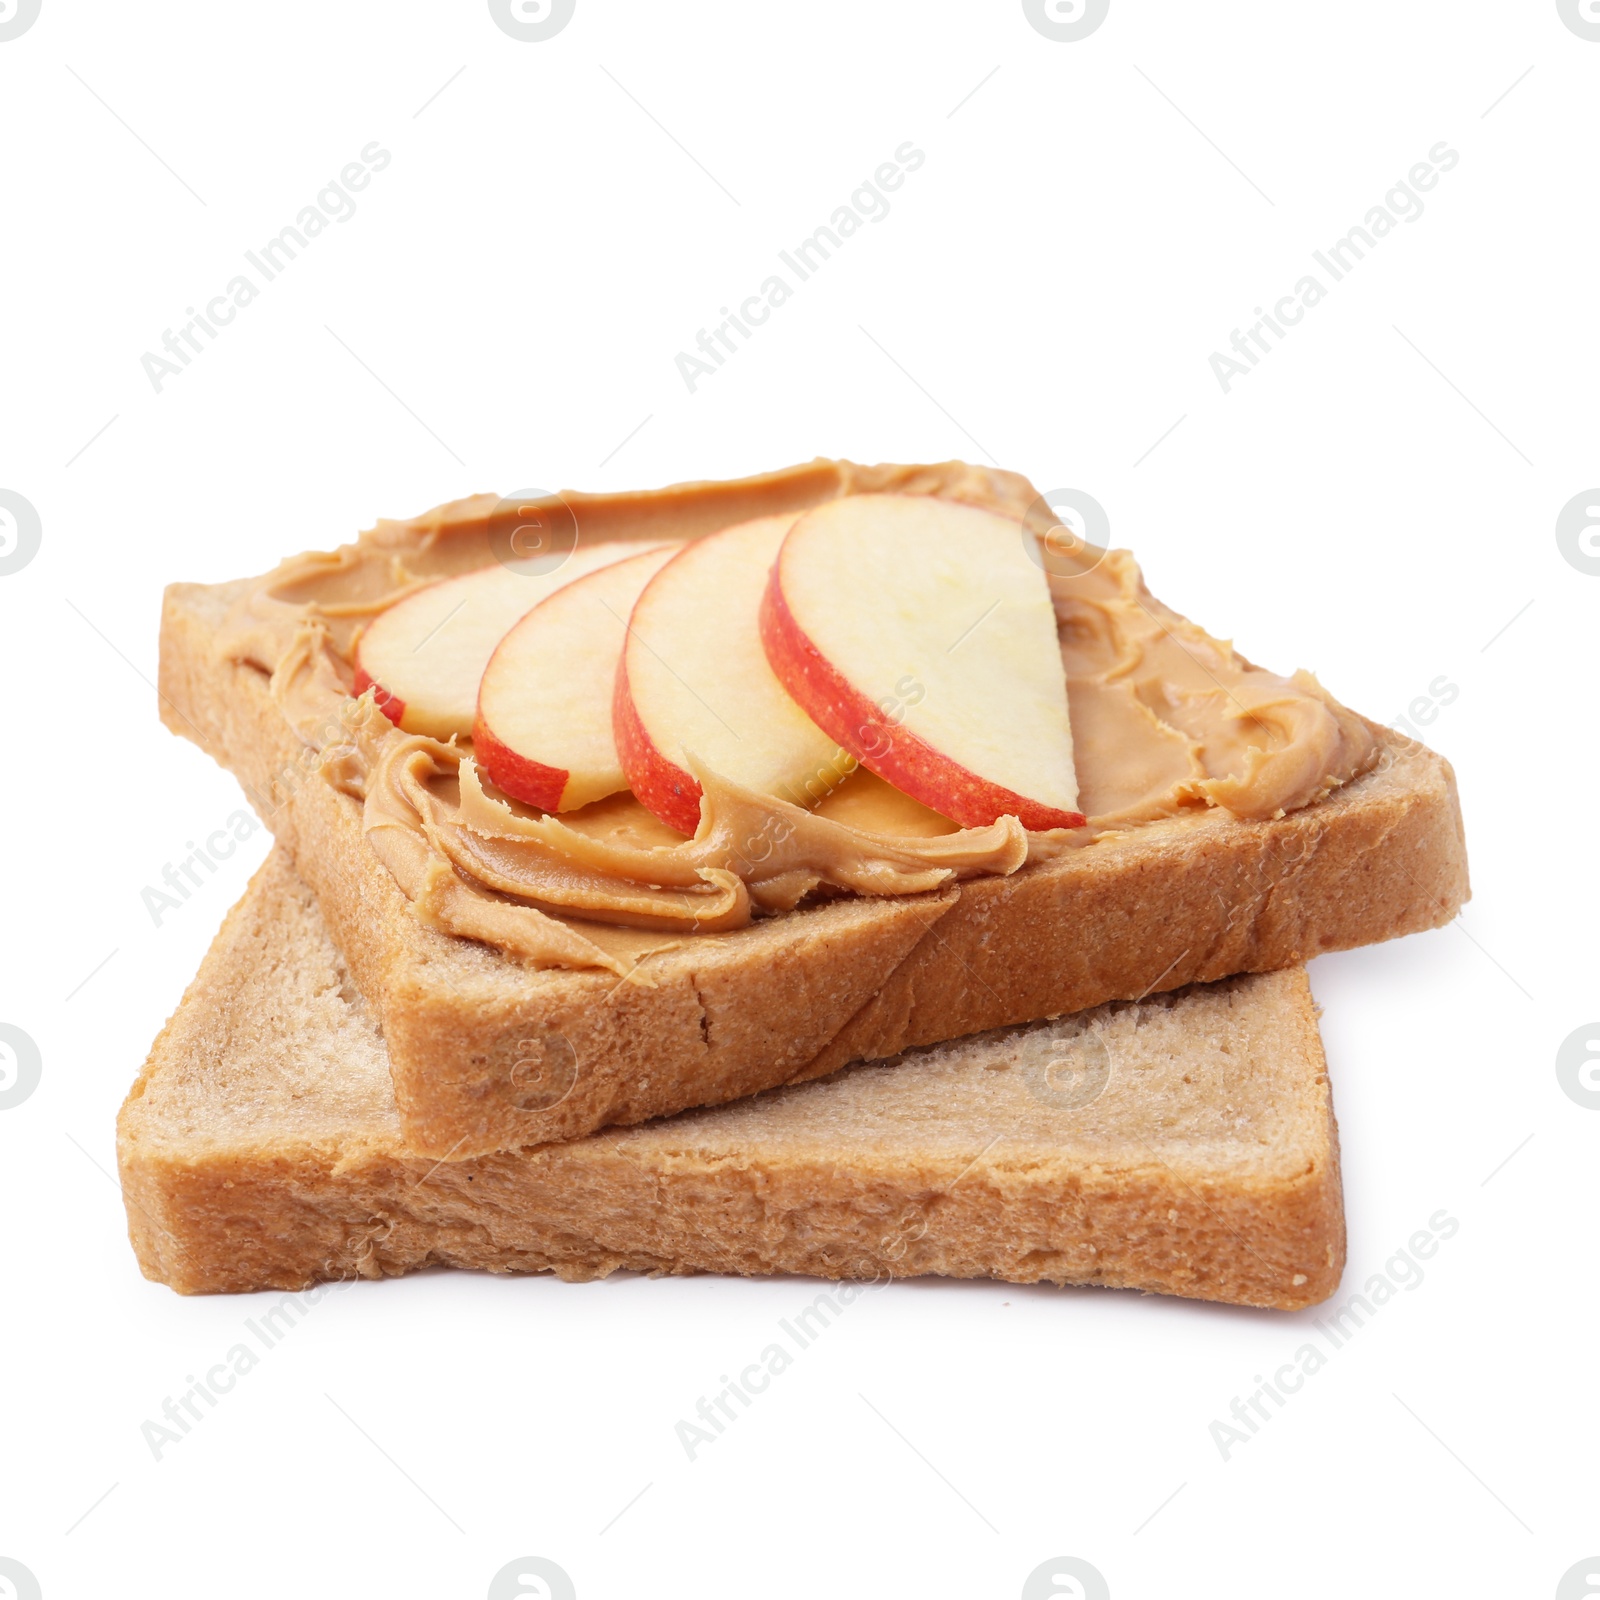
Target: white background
x=1376 y=501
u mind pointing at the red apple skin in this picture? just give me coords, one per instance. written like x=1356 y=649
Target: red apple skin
x=879 y=742
x=391 y=705
x=661 y=786
x=532 y=782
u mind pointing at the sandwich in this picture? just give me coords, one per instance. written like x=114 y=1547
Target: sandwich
x=619 y=805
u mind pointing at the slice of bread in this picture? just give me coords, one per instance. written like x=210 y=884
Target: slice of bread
x=1183 y=1144
x=796 y=996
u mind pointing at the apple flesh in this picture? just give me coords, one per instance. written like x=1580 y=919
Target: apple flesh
x=918 y=633
x=543 y=730
x=424 y=657
x=694 y=680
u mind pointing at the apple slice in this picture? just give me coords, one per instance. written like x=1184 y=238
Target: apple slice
x=694 y=680
x=918 y=633
x=543 y=732
x=425 y=655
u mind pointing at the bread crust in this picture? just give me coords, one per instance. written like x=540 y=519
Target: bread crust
x=796 y=997
x=261 y=1148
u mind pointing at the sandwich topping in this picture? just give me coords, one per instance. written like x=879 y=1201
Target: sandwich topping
x=1166 y=719
x=1166 y=723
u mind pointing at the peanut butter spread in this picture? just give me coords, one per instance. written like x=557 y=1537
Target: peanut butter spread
x=1166 y=720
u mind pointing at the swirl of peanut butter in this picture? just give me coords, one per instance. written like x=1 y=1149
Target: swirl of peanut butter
x=1166 y=720
x=749 y=852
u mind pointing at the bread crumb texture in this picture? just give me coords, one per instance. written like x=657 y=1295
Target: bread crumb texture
x=1183 y=1144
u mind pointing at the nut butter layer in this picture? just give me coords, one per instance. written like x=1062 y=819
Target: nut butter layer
x=1171 y=721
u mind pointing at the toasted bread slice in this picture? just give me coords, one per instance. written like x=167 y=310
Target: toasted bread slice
x=1183 y=1144
x=796 y=996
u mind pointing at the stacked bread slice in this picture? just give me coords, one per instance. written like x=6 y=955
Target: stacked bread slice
x=1101 y=1067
